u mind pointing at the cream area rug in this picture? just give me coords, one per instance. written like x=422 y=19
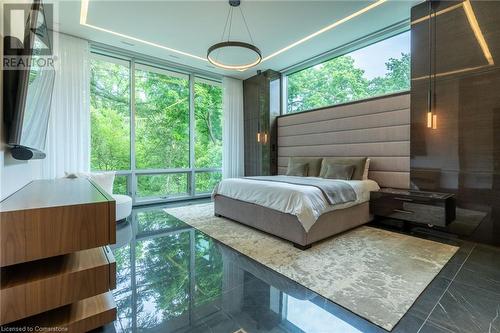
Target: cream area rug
x=376 y=274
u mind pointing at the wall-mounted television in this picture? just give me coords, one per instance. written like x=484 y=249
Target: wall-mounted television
x=28 y=85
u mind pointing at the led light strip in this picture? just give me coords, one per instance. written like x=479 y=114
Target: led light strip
x=471 y=17
x=477 y=31
x=329 y=27
x=83 y=21
x=85 y=7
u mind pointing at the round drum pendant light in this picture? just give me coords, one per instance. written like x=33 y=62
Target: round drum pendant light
x=215 y=53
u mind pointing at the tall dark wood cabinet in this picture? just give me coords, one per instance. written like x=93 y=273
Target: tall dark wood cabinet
x=262 y=104
x=459 y=47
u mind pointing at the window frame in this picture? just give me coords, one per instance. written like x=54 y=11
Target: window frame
x=366 y=41
x=133 y=60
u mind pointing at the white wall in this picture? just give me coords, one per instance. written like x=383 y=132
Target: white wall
x=13 y=174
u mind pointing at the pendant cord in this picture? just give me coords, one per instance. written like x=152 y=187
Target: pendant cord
x=230 y=25
x=225 y=25
x=429 y=97
x=246 y=25
x=435 y=61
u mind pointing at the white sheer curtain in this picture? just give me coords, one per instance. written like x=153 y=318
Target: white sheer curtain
x=232 y=132
x=68 y=137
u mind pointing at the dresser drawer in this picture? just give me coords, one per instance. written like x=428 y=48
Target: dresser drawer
x=31 y=288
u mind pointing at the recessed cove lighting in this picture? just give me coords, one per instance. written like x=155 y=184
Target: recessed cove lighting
x=85 y=8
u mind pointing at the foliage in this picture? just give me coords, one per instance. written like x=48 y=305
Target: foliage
x=159 y=264
x=161 y=127
x=339 y=81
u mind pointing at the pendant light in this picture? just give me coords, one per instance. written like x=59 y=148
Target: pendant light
x=215 y=53
x=431 y=96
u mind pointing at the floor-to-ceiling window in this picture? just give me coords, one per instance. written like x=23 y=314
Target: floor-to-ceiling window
x=159 y=129
x=375 y=70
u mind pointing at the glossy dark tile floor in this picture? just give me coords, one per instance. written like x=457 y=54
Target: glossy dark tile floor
x=172 y=278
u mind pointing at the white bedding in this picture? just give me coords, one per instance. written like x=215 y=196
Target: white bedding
x=305 y=202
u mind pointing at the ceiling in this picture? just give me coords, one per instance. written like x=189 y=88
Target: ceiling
x=182 y=31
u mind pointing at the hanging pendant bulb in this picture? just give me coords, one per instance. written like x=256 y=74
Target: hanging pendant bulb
x=429 y=119
x=434 y=121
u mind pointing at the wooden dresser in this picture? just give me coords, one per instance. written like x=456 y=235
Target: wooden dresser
x=56 y=268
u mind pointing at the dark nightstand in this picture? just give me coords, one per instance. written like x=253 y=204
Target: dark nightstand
x=431 y=208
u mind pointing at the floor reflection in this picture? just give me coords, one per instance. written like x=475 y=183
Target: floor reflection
x=172 y=278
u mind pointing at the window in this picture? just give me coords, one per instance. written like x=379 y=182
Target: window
x=166 y=186
x=161 y=148
x=161 y=119
x=208 y=117
x=109 y=114
x=379 y=69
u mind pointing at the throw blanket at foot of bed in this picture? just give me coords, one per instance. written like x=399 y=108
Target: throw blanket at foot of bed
x=335 y=191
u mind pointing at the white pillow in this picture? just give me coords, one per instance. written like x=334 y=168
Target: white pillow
x=367 y=167
x=103 y=179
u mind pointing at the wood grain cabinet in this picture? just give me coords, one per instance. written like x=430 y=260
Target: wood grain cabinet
x=56 y=267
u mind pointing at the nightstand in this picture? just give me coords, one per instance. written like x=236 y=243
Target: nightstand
x=431 y=208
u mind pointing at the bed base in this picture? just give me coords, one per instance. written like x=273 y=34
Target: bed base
x=287 y=226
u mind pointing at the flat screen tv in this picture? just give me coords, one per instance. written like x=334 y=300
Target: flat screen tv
x=28 y=86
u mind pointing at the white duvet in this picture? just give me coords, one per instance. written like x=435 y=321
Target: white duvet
x=305 y=202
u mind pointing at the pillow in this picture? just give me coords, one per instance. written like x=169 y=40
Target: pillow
x=104 y=179
x=357 y=162
x=313 y=163
x=298 y=170
x=339 y=171
x=367 y=168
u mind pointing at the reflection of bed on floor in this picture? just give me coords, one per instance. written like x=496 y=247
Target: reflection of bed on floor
x=304 y=216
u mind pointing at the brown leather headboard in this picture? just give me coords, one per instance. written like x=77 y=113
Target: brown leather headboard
x=378 y=129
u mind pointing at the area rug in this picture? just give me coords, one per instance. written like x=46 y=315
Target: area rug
x=375 y=273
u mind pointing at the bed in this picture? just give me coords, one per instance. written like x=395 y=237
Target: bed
x=296 y=208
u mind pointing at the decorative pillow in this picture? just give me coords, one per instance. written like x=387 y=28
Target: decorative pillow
x=298 y=170
x=103 y=179
x=313 y=164
x=367 y=168
x=358 y=163
x=339 y=171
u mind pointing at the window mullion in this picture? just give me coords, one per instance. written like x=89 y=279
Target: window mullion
x=192 y=125
x=132 y=130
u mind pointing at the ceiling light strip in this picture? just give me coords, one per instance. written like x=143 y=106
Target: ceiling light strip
x=471 y=17
x=329 y=27
x=457 y=71
x=84 y=12
x=443 y=11
x=83 y=21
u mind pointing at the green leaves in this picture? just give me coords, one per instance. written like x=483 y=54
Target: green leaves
x=339 y=81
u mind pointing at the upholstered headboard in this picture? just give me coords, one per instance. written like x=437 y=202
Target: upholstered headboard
x=378 y=129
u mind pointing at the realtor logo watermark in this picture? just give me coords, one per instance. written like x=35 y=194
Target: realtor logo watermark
x=28 y=36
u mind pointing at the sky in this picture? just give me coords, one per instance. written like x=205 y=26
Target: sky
x=372 y=59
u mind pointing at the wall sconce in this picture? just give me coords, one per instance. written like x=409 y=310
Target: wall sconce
x=262 y=137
